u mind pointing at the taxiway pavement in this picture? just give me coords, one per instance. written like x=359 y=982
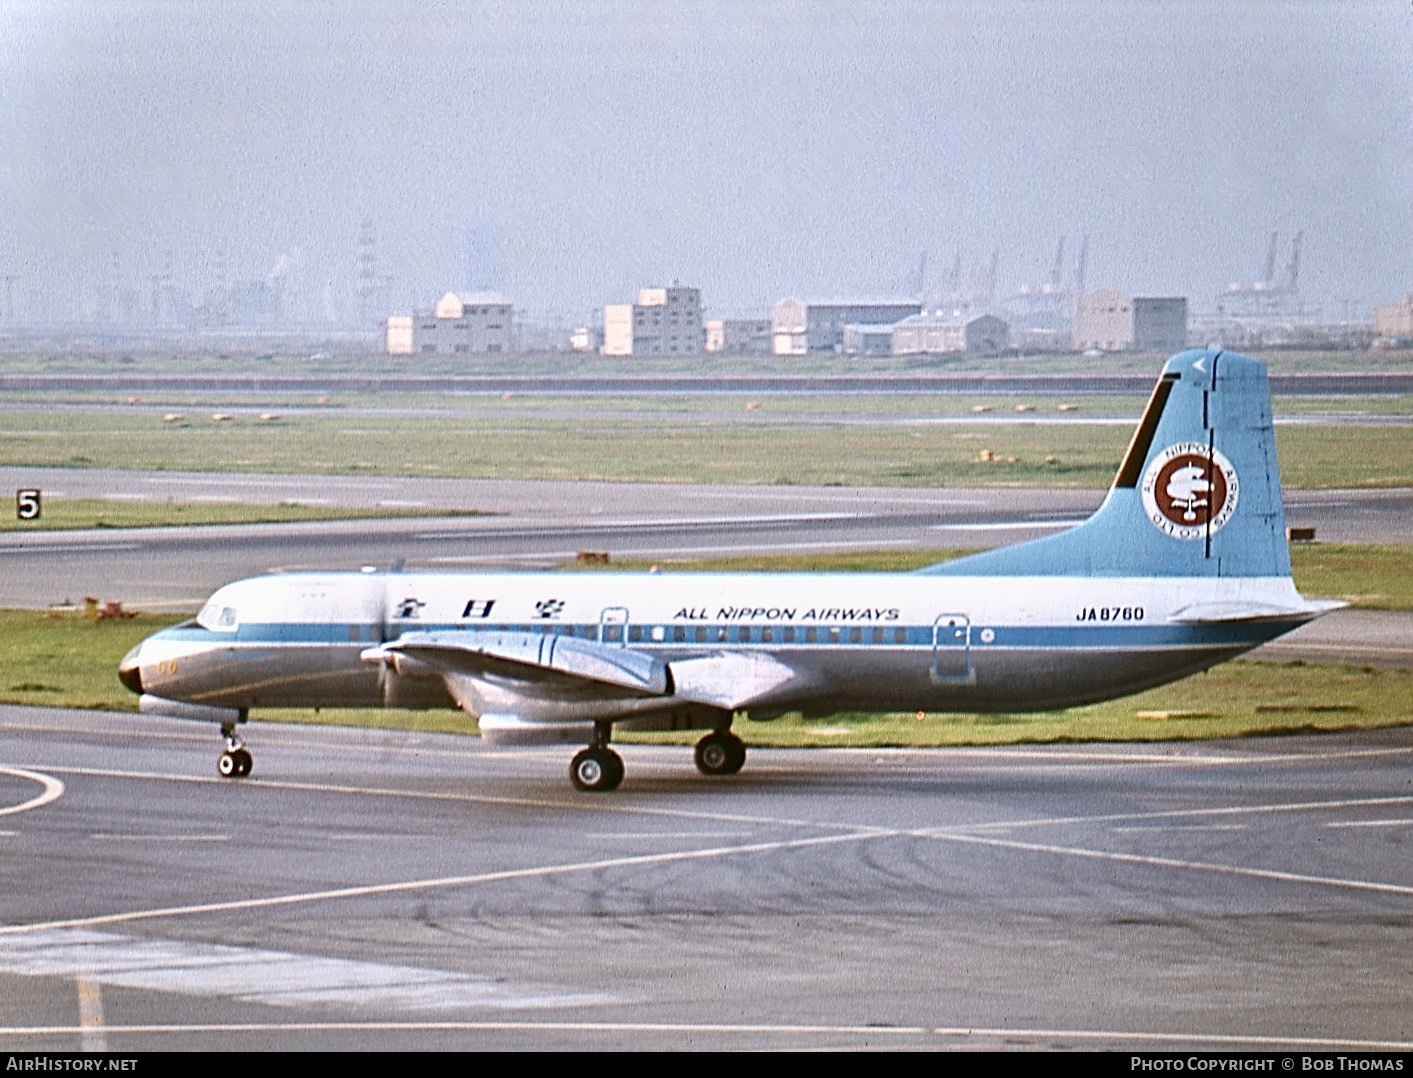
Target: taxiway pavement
x=371 y=889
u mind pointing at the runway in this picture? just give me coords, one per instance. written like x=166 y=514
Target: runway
x=545 y=523
x=369 y=890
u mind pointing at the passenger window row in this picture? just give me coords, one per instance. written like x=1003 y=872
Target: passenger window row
x=720 y=634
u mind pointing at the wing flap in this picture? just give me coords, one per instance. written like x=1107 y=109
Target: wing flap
x=732 y=680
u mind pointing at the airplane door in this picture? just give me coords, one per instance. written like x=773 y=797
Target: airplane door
x=951 y=648
x=613 y=626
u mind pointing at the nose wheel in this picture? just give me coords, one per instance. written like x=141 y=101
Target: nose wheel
x=236 y=761
x=720 y=753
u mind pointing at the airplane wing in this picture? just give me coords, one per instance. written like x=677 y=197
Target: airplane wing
x=570 y=667
x=563 y=661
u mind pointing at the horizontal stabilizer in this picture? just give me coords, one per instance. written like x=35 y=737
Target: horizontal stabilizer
x=1237 y=611
x=530 y=656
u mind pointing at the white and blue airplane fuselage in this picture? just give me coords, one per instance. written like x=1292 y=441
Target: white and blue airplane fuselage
x=1185 y=565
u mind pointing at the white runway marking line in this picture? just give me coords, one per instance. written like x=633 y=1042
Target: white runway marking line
x=431 y=884
x=102 y=837
x=951 y=1033
x=1174 y=862
x=254 y=975
x=481 y=799
x=53 y=790
x=1177 y=814
x=1139 y=828
x=1373 y=823
x=713 y=835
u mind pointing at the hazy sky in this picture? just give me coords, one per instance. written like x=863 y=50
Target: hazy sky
x=755 y=149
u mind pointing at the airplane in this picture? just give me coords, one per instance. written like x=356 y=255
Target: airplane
x=1183 y=566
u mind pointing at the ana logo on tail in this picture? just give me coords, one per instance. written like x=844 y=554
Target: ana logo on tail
x=1189 y=491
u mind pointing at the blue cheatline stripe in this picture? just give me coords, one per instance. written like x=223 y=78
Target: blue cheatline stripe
x=982 y=637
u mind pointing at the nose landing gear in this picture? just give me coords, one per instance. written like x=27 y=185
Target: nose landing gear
x=236 y=761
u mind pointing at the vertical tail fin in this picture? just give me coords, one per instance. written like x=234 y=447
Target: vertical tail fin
x=1198 y=492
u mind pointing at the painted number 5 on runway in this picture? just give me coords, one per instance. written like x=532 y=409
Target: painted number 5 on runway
x=27 y=504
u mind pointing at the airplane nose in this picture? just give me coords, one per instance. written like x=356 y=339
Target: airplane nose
x=130 y=671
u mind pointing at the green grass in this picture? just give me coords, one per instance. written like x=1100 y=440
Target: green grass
x=52 y=659
x=62 y=514
x=1373 y=576
x=1236 y=699
x=711 y=448
x=61 y=660
x=197 y=406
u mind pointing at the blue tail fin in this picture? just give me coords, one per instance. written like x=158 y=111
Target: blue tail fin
x=1198 y=493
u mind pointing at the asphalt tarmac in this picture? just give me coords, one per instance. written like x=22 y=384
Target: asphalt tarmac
x=369 y=890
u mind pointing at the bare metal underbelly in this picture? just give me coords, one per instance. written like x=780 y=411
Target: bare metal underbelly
x=869 y=679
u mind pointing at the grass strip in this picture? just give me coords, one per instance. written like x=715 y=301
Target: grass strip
x=685 y=449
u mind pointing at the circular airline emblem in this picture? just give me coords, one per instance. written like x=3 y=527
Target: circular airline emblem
x=1189 y=491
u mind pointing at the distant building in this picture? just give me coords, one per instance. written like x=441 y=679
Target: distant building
x=988 y=335
x=1114 y=322
x=799 y=328
x=1103 y=319
x=739 y=336
x=863 y=339
x=664 y=322
x=400 y=335
x=1394 y=321
x=586 y=339
x=466 y=324
x=932 y=334
x=1159 y=323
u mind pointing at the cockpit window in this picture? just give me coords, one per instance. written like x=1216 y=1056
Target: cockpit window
x=218 y=618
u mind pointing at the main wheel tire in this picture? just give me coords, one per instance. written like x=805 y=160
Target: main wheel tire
x=244 y=762
x=228 y=765
x=596 y=770
x=738 y=754
x=720 y=754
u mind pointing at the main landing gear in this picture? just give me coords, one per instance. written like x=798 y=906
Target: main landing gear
x=236 y=761
x=720 y=753
x=597 y=769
